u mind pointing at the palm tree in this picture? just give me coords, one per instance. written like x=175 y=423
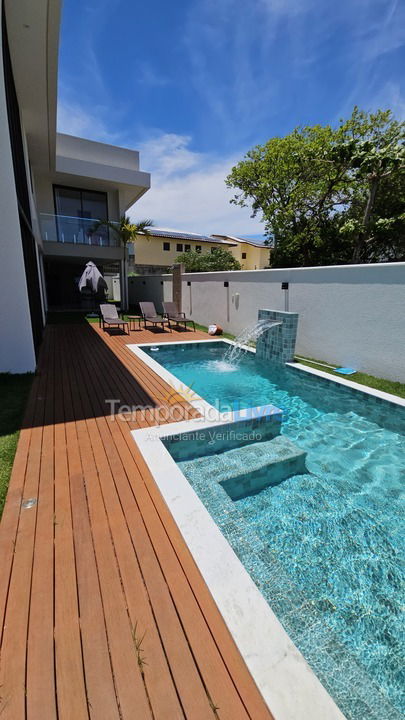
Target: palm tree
x=127 y=232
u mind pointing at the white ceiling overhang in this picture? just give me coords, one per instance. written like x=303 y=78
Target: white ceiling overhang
x=33 y=32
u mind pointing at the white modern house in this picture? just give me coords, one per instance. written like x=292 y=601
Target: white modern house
x=53 y=187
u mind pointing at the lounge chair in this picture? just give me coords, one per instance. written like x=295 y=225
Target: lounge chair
x=150 y=315
x=109 y=317
x=171 y=312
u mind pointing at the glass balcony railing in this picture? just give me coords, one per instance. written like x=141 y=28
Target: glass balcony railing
x=76 y=231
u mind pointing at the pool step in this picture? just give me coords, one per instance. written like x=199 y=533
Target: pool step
x=245 y=471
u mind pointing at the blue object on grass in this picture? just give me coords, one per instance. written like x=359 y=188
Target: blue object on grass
x=345 y=371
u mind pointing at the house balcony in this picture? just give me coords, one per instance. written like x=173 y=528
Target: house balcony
x=76 y=237
x=76 y=231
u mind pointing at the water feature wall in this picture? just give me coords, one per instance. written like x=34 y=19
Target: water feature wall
x=278 y=342
x=249 y=335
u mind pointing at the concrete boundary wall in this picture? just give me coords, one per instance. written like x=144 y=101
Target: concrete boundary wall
x=146 y=288
x=349 y=315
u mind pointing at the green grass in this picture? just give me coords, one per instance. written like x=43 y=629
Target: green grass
x=204 y=328
x=76 y=318
x=13 y=392
x=388 y=386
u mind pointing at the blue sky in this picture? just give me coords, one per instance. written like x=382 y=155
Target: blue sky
x=194 y=84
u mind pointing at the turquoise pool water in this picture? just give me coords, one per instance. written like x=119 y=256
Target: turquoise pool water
x=326 y=548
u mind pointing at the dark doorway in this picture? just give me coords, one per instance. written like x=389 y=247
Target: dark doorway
x=62 y=278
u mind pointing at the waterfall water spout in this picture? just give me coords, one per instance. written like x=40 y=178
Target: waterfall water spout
x=235 y=352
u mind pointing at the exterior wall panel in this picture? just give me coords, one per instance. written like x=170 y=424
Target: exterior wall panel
x=350 y=315
x=17 y=353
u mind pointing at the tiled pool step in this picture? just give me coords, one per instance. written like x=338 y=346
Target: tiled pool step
x=247 y=470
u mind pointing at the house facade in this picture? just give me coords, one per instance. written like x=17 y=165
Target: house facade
x=155 y=253
x=53 y=188
x=251 y=255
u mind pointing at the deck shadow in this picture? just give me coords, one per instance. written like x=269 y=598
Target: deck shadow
x=80 y=377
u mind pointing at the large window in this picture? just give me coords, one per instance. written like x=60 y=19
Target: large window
x=77 y=211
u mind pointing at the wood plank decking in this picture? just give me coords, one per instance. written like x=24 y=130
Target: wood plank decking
x=104 y=614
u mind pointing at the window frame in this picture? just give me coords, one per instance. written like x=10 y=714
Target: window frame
x=57 y=186
x=166 y=243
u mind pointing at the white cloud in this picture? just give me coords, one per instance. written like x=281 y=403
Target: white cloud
x=74 y=120
x=147 y=75
x=188 y=188
x=390 y=97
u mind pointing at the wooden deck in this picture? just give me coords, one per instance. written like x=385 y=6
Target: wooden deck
x=104 y=612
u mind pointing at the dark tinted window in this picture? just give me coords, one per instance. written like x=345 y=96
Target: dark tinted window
x=77 y=203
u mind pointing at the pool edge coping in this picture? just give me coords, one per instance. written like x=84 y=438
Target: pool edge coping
x=275 y=663
x=359 y=387
x=352 y=384
x=271 y=656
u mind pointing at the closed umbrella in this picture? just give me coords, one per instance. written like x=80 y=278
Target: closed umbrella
x=92 y=286
x=92 y=279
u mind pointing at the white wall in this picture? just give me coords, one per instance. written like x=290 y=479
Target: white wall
x=349 y=315
x=16 y=342
x=147 y=288
x=69 y=146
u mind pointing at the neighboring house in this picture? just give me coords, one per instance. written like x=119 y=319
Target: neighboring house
x=251 y=255
x=155 y=253
x=52 y=187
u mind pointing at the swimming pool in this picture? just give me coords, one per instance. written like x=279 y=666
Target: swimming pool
x=325 y=548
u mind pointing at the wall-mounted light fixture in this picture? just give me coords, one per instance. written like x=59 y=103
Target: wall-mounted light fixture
x=284 y=286
x=190 y=298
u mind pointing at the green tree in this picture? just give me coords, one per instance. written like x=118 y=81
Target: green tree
x=377 y=156
x=126 y=231
x=319 y=189
x=220 y=259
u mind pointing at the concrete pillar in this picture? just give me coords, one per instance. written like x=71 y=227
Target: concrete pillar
x=178 y=271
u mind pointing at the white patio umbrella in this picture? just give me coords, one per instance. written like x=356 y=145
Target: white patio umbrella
x=92 y=279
